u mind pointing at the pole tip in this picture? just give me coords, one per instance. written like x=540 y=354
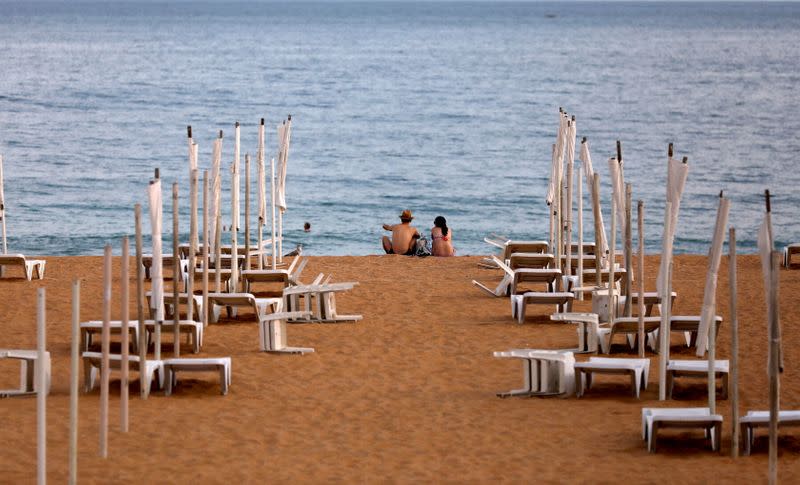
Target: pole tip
x=573 y=118
x=669 y=150
x=721 y=193
x=157 y=174
x=189 y=130
x=768 y=201
x=560 y=109
x=685 y=159
x=583 y=140
x=236 y=124
x=262 y=121
x=619 y=151
x=290 y=117
x=220 y=133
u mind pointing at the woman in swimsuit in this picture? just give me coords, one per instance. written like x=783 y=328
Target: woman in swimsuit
x=442 y=238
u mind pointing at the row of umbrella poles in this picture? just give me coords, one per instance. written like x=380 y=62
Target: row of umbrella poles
x=559 y=199
x=211 y=212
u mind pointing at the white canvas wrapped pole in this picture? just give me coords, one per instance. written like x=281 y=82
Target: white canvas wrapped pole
x=570 y=181
x=677 y=172
x=600 y=240
x=628 y=252
x=734 y=341
x=765 y=247
x=272 y=209
x=193 y=238
x=125 y=304
x=247 y=210
x=234 y=281
x=597 y=229
x=3 y=209
x=105 y=370
x=612 y=300
x=176 y=269
x=41 y=390
x=137 y=211
x=262 y=193
x=205 y=248
x=157 y=276
x=666 y=307
x=710 y=293
x=218 y=254
x=617 y=194
x=74 y=379
x=550 y=202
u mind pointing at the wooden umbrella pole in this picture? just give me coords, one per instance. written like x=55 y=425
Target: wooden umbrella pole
x=41 y=390
x=74 y=380
x=176 y=268
x=598 y=231
x=205 y=248
x=734 y=342
x=247 y=210
x=612 y=301
x=105 y=347
x=640 y=300
x=218 y=253
x=774 y=364
x=261 y=195
x=568 y=209
x=2 y=212
x=125 y=304
x=663 y=336
x=628 y=253
x=580 y=230
x=192 y=247
x=137 y=211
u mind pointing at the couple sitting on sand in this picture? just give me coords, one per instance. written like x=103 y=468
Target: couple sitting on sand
x=407 y=240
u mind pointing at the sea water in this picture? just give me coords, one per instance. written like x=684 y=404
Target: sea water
x=442 y=108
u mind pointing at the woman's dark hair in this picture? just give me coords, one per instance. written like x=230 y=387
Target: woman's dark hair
x=441 y=223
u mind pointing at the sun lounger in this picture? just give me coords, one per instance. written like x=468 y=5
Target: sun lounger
x=272 y=333
x=654 y=419
x=319 y=301
x=696 y=369
x=629 y=327
x=589 y=261
x=92 y=362
x=29 y=364
x=221 y=365
x=508 y=247
x=637 y=369
x=169 y=303
x=286 y=277
x=688 y=324
x=167 y=263
x=90 y=328
x=651 y=299
x=231 y=301
x=760 y=419
x=788 y=252
x=545 y=372
x=191 y=328
x=519 y=303
x=31 y=266
x=590 y=275
x=587 y=327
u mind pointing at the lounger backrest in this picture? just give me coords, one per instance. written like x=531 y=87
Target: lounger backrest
x=294 y=263
x=536 y=276
x=530 y=260
x=295 y=277
x=503 y=266
x=525 y=247
x=589 y=262
x=12 y=259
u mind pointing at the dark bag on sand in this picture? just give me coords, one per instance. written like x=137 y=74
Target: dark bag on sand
x=422 y=248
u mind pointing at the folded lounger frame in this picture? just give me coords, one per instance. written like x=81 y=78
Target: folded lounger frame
x=545 y=372
x=29 y=363
x=637 y=369
x=272 y=334
x=220 y=365
x=154 y=369
x=760 y=419
x=697 y=369
x=31 y=266
x=654 y=419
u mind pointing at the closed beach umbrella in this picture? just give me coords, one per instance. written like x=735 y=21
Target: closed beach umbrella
x=677 y=172
x=216 y=190
x=284 y=137
x=710 y=293
x=262 y=192
x=570 y=147
x=617 y=192
x=157 y=277
x=235 y=211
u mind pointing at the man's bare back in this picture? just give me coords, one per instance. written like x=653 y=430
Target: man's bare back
x=404 y=236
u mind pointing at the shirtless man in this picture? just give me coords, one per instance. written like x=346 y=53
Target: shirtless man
x=404 y=236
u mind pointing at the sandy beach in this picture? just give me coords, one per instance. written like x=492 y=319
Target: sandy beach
x=406 y=395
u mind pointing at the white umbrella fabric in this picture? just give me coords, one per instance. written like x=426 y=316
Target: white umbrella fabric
x=677 y=172
x=235 y=213
x=710 y=293
x=571 y=134
x=216 y=191
x=284 y=137
x=157 y=278
x=765 y=248
x=618 y=193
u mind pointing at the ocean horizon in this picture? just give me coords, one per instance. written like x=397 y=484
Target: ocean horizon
x=444 y=108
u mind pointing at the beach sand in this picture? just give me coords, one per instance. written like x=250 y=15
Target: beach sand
x=406 y=395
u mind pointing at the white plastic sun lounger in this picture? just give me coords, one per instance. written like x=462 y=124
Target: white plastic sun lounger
x=259 y=306
x=760 y=419
x=90 y=328
x=92 y=362
x=272 y=333
x=654 y=419
x=31 y=266
x=545 y=372
x=696 y=369
x=169 y=303
x=530 y=260
x=637 y=369
x=221 y=365
x=587 y=327
x=651 y=299
x=509 y=247
x=319 y=301
x=629 y=327
x=167 y=263
x=688 y=324
x=29 y=363
x=789 y=251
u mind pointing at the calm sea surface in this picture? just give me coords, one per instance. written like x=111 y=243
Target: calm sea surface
x=443 y=108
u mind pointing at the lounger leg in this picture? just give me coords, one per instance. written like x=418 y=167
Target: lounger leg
x=579 y=383
x=170 y=373
x=223 y=379
x=725 y=386
x=670 y=384
x=635 y=384
x=653 y=438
